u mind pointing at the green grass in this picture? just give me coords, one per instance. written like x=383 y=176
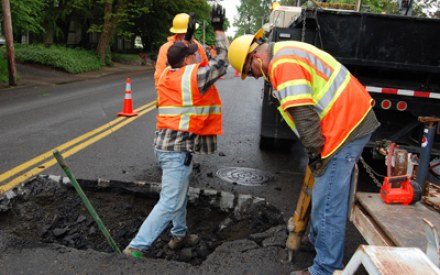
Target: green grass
x=67 y=59
x=71 y=60
x=3 y=66
x=131 y=59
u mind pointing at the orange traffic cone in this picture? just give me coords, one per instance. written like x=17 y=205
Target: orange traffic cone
x=128 y=105
x=237 y=73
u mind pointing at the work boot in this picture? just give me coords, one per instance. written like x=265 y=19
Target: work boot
x=133 y=252
x=301 y=272
x=188 y=240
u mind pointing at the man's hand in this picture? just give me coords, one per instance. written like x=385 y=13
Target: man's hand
x=315 y=161
x=217 y=17
x=191 y=27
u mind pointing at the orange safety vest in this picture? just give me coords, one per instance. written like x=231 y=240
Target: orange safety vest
x=161 y=60
x=302 y=74
x=182 y=107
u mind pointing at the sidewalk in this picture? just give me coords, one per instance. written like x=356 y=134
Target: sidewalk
x=32 y=75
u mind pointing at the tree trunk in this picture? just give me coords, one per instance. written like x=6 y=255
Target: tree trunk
x=107 y=31
x=7 y=23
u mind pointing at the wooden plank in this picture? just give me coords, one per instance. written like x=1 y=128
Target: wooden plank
x=368 y=229
x=403 y=225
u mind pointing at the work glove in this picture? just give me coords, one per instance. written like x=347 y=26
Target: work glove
x=191 y=27
x=217 y=17
x=315 y=164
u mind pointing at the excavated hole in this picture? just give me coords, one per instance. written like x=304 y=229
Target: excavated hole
x=50 y=211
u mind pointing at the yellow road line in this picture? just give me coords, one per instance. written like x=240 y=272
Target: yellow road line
x=111 y=127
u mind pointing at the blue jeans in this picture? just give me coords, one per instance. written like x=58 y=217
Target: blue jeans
x=172 y=203
x=330 y=199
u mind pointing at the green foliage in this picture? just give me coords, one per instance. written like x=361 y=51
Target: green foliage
x=428 y=8
x=153 y=24
x=133 y=59
x=209 y=31
x=252 y=14
x=3 y=66
x=420 y=8
x=27 y=16
x=66 y=59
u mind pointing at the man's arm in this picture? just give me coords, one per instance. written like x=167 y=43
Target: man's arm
x=161 y=61
x=309 y=128
x=217 y=66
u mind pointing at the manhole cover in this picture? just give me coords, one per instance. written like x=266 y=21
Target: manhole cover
x=244 y=176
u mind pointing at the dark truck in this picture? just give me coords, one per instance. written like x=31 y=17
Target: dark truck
x=396 y=57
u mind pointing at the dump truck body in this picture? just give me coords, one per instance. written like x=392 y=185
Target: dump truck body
x=396 y=57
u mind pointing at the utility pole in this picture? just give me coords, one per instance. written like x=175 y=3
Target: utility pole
x=7 y=29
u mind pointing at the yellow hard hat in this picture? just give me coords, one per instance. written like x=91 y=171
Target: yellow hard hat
x=240 y=48
x=180 y=23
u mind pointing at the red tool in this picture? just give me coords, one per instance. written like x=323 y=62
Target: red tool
x=400 y=189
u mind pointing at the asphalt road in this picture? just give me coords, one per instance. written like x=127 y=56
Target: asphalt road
x=36 y=119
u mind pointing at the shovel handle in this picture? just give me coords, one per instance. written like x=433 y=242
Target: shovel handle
x=86 y=201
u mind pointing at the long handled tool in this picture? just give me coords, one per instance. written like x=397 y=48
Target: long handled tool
x=298 y=223
x=86 y=201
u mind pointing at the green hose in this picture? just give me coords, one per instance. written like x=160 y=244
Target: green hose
x=86 y=201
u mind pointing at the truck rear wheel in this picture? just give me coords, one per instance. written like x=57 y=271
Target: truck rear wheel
x=270 y=143
x=267 y=143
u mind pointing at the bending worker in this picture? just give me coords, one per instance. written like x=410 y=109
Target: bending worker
x=179 y=28
x=188 y=121
x=330 y=112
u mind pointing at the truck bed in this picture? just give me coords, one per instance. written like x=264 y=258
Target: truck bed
x=392 y=225
x=396 y=57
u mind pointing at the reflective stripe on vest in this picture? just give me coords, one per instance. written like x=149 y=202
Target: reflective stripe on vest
x=186 y=97
x=321 y=84
x=320 y=65
x=183 y=108
x=296 y=90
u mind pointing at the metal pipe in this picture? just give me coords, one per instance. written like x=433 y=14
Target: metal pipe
x=425 y=154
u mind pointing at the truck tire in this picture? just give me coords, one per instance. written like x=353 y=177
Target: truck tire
x=267 y=143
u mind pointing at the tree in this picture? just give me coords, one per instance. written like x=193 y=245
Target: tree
x=429 y=8
x=153 y=24
x=251 y=15
x=27 y=16
x=209 y=31
x=421 y=8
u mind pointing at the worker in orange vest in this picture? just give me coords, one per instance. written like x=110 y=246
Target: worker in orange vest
x=330 y=112
x=212 y=51
x=179 y=28
x=188 y=121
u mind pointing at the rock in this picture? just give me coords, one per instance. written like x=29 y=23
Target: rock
x=81 y=218
x=44 y=230
x=203 y=250
x=92 y=230
x=58 y=232
x=186 y=254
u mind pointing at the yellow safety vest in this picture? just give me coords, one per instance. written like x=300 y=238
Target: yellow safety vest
x=302 y=74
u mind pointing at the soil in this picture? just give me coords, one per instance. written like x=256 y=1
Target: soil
x=50 y=211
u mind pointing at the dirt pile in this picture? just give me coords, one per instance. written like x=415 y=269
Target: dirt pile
x=48 y=210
